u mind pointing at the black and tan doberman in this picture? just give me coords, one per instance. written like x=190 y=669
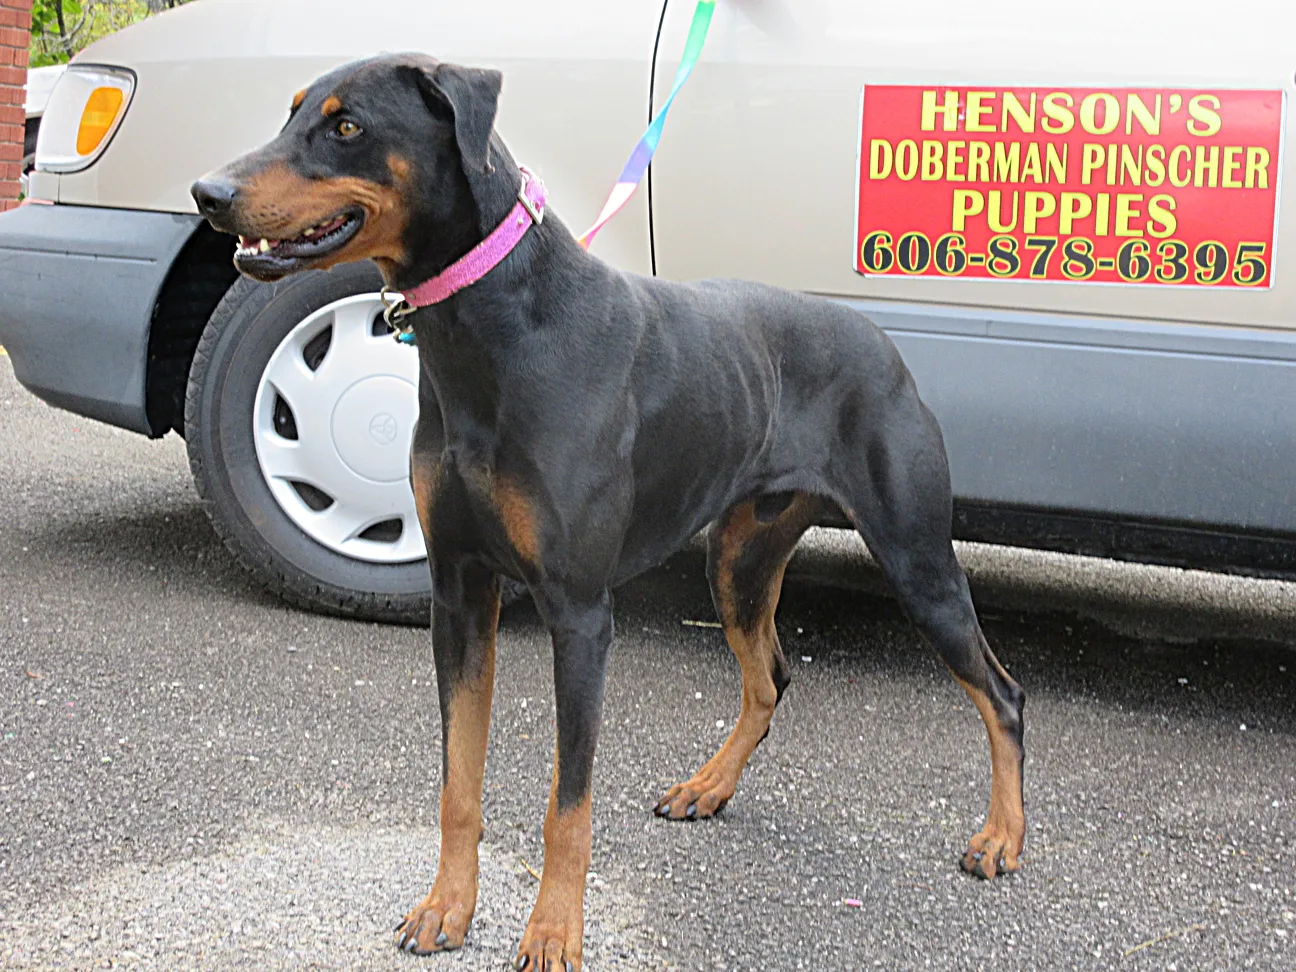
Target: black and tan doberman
x=577 y=426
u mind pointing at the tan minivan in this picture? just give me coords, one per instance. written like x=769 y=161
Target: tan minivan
x=1070 y=220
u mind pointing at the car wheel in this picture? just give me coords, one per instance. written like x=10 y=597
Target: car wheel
x=299 y=412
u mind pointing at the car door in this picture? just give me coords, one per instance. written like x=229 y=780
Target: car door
x=1125 y=392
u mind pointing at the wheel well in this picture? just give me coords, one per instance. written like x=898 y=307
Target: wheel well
x=201 y=274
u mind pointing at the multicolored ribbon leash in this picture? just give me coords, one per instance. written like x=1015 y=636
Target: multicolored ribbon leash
x=637 y=165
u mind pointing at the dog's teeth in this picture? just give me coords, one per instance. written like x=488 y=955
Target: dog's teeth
x=264 y=246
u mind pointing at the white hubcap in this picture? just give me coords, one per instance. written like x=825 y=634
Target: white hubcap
x=333 y=420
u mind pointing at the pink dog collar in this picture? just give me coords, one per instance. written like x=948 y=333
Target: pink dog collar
x=487 y=254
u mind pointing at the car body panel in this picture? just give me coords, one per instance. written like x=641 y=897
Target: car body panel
x=79 y=286
x=1122 y=419
x=756 y=176
x=1149 y=403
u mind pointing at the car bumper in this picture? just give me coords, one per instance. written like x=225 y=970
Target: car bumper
x=78 y=285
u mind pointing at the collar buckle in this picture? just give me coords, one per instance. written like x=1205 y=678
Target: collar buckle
x=536 y=214
x=395 y=310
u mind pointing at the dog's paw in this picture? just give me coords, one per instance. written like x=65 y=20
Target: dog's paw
x=992 y=852
x=439 y=923
x=548 y=948
x=703 y=796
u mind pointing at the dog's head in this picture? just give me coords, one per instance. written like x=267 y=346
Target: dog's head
x=369 y=150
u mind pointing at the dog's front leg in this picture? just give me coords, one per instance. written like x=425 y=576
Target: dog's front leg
x=582 y=636
x=465 y=614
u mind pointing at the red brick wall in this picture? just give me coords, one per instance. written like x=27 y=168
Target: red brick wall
x=15 y=37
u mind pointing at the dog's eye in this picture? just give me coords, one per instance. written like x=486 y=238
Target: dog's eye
x=347 y=129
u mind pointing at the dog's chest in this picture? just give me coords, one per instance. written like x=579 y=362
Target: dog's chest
x=477 y=509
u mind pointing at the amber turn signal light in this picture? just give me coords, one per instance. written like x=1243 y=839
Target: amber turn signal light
x=97 y=118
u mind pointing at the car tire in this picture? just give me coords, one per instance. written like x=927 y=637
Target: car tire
x=261 y=512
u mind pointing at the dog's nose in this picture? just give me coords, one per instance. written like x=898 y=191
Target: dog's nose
x=214 y=198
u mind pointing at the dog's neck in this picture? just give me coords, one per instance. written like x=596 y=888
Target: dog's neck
x=506 y=296
x=464 y=214
x=474 y=345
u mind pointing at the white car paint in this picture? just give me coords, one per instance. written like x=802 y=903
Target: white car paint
x=755 y=177
x=215 y=79
x=40 y=82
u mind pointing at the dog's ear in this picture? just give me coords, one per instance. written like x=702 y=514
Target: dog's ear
x=470 y=96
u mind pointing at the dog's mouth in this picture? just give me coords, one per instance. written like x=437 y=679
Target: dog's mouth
x=266 y=258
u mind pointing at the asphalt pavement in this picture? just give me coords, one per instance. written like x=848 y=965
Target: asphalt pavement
x=195 y=776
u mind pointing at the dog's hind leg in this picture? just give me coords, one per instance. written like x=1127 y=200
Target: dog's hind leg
x=747 y=552
x=897 y=493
